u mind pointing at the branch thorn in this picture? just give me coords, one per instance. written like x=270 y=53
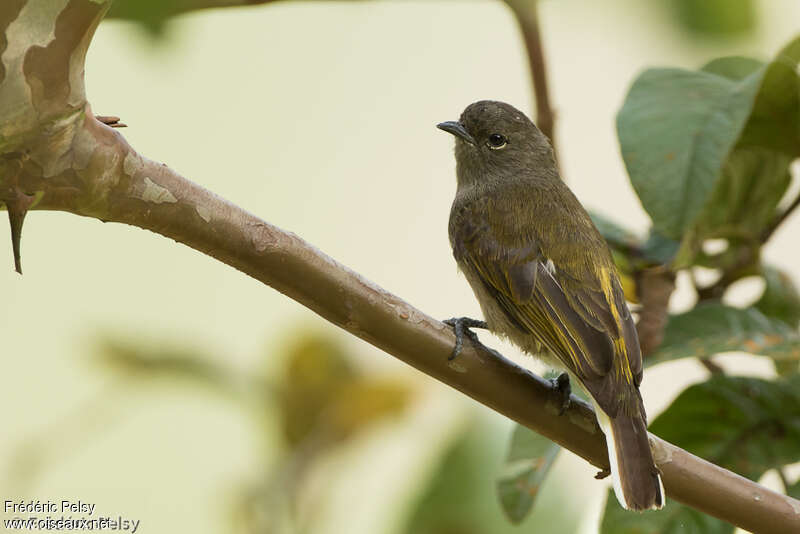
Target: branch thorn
x=17 y=206
x=110 y=120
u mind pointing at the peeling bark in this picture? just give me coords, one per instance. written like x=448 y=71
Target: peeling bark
x=7 y=14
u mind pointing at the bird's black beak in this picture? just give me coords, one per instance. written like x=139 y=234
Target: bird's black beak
x=457 y=129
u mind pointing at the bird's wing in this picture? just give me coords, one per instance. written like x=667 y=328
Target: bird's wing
x=574 y=308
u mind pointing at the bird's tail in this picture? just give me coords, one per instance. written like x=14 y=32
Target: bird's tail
x=636 y=480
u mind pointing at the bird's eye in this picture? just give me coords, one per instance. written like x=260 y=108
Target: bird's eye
x=497 y=141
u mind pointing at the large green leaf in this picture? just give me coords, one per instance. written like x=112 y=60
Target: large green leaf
x=460 y=497
x=753 y=181
x=678 y=130
x=658 y=248
x=755 y=175
x=617 y=236
x=712 y=327
x=775 y=120
x=745 y=424
x=638 y=252
x=530 y=458
x=674 y=518
x=780 y=299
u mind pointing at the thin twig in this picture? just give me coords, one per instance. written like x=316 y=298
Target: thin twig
x=745 y=265
x=713 y=368
x=779 y=220
x=527 y=17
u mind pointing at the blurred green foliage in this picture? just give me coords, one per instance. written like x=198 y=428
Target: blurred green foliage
x=716 y=18
x=529 y=460
x=712 y=327
x=322 y=393
x=708 y=153
x=322 y=400
x=745 y=424
x=780 y=299
x=674 y=518
x=150 y=15
x=460 y=499
x=704 y=19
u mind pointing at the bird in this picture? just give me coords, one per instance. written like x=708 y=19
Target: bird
x=546 y=281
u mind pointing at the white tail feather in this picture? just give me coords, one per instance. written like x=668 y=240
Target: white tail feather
x=605 y=426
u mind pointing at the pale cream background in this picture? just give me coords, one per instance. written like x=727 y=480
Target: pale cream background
x=320 y=119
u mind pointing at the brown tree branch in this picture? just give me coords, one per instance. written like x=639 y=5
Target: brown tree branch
x=746 y=264
x=526 y=13
x=119 y=185
x=150 y=195
x=654 y=286
x=748 y=261
x=67 y=160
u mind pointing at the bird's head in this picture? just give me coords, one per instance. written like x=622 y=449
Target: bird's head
x=497 y=142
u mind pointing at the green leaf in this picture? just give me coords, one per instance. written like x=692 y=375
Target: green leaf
x=678 y=130
x=148 y=360
x=775 y=120
x=655 y=249
x=794 y=490
x=716 y=17
x=712 y=327
x=530 y=458
x=745 y=424
x=674 y=518
x=733 y=67
x=151 y=15
x=659 y=249
x=753 y=181
x=780 y=299
x=616 y=235
x=324 y=395
x=755 y=175
x=460 y=495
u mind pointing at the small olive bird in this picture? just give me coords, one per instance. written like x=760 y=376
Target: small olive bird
x=545 y=280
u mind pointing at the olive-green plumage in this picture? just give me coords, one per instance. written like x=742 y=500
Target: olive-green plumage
x=545 y=279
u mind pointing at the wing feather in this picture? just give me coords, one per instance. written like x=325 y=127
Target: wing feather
x=576 y=311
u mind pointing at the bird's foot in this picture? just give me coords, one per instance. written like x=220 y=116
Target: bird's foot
x=461 y=326
x=564 y=390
